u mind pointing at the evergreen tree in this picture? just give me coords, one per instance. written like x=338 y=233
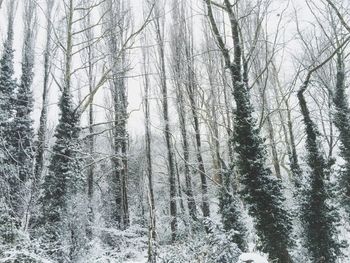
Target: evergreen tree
x=318 y=217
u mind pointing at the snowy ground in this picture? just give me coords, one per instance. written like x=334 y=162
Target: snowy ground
x=252 y=258
x=244 y=258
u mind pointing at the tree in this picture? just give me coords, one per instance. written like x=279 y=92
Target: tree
x=287 y=126
x=230 y=210
x=317 y=216
x=117 y=27
x=152 y=254
x=178 y=42
x=9 y=180
x=41 y=143
x=191 y=89
x=62 y=221
x=158 y=22
x=89 y=58
x=342 y=122
x=23 y=105
x=261 y=191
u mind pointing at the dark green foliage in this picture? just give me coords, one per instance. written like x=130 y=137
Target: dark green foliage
x=342 y=122
x=231 y=212
x=317 y=216
x=7 y=228
x=7 y=82
x=262 y=191
x=64 y=165
x=8 y=178
x=22 y=139
x=63 y=181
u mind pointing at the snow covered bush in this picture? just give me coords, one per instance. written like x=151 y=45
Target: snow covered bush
x=214 y=247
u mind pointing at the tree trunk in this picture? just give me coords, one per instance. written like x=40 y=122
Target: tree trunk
x=42 y=140
x=152 y=252
x=178 y=42
x=167 y=132
x=191 y=87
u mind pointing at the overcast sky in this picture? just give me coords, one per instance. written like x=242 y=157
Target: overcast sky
x=135 y=84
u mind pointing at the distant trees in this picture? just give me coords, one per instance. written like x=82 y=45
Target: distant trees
x=117 y=28
x=158 y=24
x=179 y=69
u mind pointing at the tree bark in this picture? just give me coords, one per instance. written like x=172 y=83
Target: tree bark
x=166 y=122
x=152 y=218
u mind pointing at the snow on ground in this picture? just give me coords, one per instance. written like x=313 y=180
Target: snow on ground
x=140 y=258
x=251 y=258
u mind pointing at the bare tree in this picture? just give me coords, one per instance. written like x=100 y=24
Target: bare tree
x=117 y=27
x=192 y=90
x=178 y=42
x=158 y=23
x=152 y=254
x=42 y=131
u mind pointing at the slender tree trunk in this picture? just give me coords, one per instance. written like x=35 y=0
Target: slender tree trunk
x=270 y=129
x=228 y=113
x=124 y=138
x=179 y=188
x=91 y=145
x=178 y=42
x=201 y=168
x=116 y=25
x=42 y=140
x=191 y=203
x=191 y=87
x=167 y=132
x=152 y=238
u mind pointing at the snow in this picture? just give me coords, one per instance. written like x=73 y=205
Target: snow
x=251 y=258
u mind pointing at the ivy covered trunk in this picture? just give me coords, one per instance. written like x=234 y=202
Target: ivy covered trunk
x=261 y=191
x=317 y=216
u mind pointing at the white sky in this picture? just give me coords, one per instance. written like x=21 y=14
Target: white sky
x=134 y=84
